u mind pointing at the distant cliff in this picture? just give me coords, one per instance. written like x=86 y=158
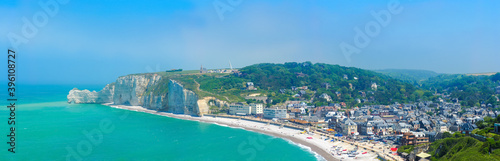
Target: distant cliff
x=151 y=91
x=86 y=96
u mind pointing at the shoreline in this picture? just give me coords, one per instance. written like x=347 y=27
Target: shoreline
x=317 y=146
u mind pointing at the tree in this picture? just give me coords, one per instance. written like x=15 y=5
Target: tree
x=447 y=135
x=495 y=77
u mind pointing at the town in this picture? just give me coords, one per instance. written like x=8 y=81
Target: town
x=396 y=125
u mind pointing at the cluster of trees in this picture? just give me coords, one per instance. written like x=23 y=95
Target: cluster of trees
x=283 y=76
x=470 y=90
x=406 y=149
x=411 y=76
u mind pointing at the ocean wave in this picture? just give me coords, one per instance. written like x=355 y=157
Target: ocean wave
x=233 y=127
x=308 y=149
x=221 y=124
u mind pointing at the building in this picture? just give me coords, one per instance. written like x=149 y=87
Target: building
x=257 y=108
x=270 y=113
x=466 y=128
x=498 y=90
x=374 y=86
x=381 y=128
x=365 y=128
x=403 y=128
x=497 y=128
x=326 y=97
x=240 y=109
x=349 y=127
x=203 y=70
x=244 y=109
x=414 y=138
x=441 y=127
x=326 y=85
x=250 y=86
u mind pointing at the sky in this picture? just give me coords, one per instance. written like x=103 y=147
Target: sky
x=96 y=41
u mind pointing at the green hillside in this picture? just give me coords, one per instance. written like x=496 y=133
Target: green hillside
x=409 y=75
x=283 y=76
x=470 y=90
x=346 y=84
x=463 y=149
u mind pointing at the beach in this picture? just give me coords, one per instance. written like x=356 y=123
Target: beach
x=315 y=143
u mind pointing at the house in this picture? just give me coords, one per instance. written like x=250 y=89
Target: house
x=416 y=125
x=325 y=85
x=323 y=110
x=440 y=127
x=414 y=138
x=295 y=113
x=403 y=128
x=482 y=112
x=431 y=135
x=498 y=90
x=303 y=88
x=302 y=92
x=466 y=128
x=425 y=124
x=345 y=76
x=374 y=86
x=300 y=74
x=381 y=128
x=250 y=86
x=365 y=128
x=349 y=127
x=326 y=97
x=497 y=128
x=313 y=119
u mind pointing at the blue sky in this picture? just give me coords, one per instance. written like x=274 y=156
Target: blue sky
x=95 y=41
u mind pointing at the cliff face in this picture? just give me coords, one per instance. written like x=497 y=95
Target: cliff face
x=86 y=96
x=181 y=100
x=129 y=89
x=147 y=90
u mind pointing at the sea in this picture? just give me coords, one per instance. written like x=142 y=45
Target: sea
x=48 y=128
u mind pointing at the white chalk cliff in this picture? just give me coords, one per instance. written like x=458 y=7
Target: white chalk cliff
x=86 y=96
x=144 y=90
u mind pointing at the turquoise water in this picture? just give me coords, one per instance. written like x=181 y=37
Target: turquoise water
x=47 y=128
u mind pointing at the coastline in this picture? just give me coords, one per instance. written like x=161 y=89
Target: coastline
x=318 y=146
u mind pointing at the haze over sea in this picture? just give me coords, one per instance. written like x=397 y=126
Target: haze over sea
x=46 y=127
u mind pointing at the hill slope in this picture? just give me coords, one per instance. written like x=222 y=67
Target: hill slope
x=347 y=84
x=463 y=148
x=409 y=75
x=470 y=90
